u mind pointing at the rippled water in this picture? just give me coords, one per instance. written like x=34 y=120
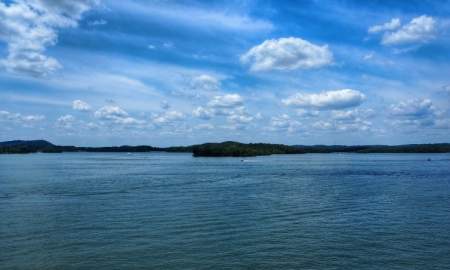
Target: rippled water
x=172 y=211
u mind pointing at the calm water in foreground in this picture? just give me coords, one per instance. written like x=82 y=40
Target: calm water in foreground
x=172 y=211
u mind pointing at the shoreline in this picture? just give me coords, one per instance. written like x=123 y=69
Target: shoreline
x=224 y=149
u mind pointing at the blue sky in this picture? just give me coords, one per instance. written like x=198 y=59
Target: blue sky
x=103 y=72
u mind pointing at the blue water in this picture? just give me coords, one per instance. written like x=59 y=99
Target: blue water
x=173 y=211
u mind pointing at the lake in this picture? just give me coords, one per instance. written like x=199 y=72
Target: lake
x=173 y=211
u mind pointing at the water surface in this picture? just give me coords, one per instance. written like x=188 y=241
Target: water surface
x=173 y=211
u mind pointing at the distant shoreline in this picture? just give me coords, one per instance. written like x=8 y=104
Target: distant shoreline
x=223 y=149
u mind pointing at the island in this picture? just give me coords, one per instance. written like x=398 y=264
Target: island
x=236 y=149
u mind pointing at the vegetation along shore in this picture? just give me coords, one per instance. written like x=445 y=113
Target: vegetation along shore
x=223 y=149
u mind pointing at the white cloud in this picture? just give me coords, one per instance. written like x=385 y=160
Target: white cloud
x=205 y=82
x=80 y=105
x=200 y=86
x=117 y=115
x=419 y=30
x=17 y=118
x=203 y=113
x=226 y=101
x=344 y=126
x=414 y=108
x=168 y=117
x=357 y=125
x=229 y=105
x=350 y=120
x=284 y=123
x=331 y=100
x=240 y=118
x=287 y=54
x=418 y=113
x=324 y=125
x=110 y=112
x=65 y=122
x=352 y=115
x=389 y=26
x=344 y=115
x=30 y=26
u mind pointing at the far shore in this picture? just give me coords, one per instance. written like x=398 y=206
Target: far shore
x=223 y=149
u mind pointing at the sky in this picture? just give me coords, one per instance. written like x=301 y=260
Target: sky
x=107 y=72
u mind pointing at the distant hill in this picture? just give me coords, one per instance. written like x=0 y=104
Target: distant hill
x=224 y=149
x=22 y=147
x=33 y=143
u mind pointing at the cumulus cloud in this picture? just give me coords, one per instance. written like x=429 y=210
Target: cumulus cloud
x=110 y=112
x=415 y=113
x=200 y=86
x=414 y=108
x=226 y=101
x=419 y=30
x=348 y=120
x=229 y=105
x=344 y=126
x=284 y=123
x=117 y=115
x=389 y=26
x=287 y=54
x=205 y=82
x=352 y=115
x=80 y=105
x=419 y=113
x=18 y=118
x=28 y=27
x=323 y=125
x=168 y=117
x=240 y=118
x=65 y=122
x=330 y=100
x=203 y=113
